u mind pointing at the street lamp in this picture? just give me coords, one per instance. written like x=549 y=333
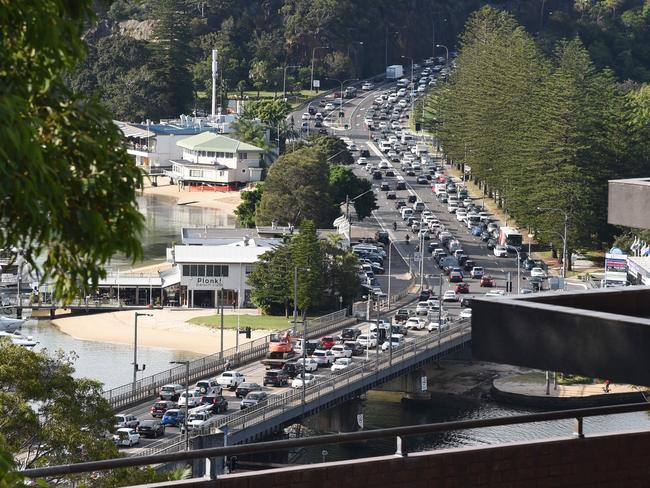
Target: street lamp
x=408 y=57
x=313 y=53
x=187 y=394
x=512 y=248
x=136 y=369
x=342 y=84
x=349 y=200
x=446 y=59
x=284 y=81
x=564 y=240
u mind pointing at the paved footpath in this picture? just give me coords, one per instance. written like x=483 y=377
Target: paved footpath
x=535 y=385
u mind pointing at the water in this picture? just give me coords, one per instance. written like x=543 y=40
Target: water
x=112 y=363
x=386 y=410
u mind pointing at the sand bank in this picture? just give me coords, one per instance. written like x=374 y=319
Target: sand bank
x=227 y=202
x=167 y=329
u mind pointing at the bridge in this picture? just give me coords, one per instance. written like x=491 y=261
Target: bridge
x=257 y=422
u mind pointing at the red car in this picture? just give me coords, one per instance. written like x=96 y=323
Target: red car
x=487 y=281
x=462 y=288
x=159 y=408
x=327 y=342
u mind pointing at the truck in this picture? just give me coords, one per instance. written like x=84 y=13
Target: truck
x=509 y=236
x=394 y=72
x=280 y=350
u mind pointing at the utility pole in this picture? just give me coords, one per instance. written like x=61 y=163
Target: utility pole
x=215 y=72
x=136 y=369
x=221 y=350
x=313 y=53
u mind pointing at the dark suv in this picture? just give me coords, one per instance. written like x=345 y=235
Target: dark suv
x=350 y=334
x=218 y=402
x=275 y=377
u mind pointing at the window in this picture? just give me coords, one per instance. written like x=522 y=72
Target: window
x=249 y=269
x=186 y=270
x=243 y=155
x=221 y=173
x=229 y=155
x=196 y=173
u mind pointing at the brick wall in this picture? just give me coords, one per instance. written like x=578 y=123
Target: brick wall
x=617 y=460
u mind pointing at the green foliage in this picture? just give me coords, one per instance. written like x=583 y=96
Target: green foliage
x=537 y=131
x=296 y=188
x=248 y=130
x=325 y=271
x=68 y=188
x=250 y=201
x=332 y=148
x=270 y=112
x=345 y=184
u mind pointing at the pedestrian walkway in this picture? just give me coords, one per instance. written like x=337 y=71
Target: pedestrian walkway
x=534 y=385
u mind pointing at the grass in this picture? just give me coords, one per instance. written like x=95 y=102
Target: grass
x=568 y=379
x=256 y=322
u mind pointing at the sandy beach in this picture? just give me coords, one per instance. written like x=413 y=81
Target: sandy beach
x=226 y=202
x=167 y=329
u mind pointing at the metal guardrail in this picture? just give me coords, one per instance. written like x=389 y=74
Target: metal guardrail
x=146 y=388
x=401 y=433
x=289 y=400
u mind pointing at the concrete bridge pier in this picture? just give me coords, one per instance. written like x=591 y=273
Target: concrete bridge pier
x=342 y=418
x=413 y=385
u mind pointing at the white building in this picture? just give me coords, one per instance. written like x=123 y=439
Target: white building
x=216 y=160
x=212 y=273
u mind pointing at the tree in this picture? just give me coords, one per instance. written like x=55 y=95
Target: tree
x=296 y=188
x=332 y=148
x=344 y=184
x=69 y=186
x=246 y=210
x=248 y=130
x=272 y=281
x=259 y=75
x=307 y=256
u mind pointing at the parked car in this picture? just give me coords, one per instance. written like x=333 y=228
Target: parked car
x=340 y=364
x=151 y=428
x=305 y=379
x=171 y=391
x=245 y=388
x=125 y=421
x=159 y=408
x=275 y=377
x=126 y=437
x=231 y=379
x=253 y=399
x=173 y=417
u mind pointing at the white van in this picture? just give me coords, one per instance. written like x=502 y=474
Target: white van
x=406 y=213
x=418 y=206
x=385 y=146
x=421 y=150
x=406 y=136
x=396 y=340
x=439 y=188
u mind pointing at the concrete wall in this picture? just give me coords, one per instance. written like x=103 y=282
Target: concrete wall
x=628 y=203
x=616 y=460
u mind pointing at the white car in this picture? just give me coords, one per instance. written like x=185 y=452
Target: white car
x=330 y=106
x=466 y=313
x=500 y=251
x=461 y=215
x=231 y=379
x=537 y=273
x=384 y=165
x=495 y=293
x=306 y=116
x=192 y=398
x=323 y=357
x=422 y=308
x=126 y=437
x=433 y=326
x=415 y=323
x=477 y=272
x=308 y=380
x=309 y=364
x=125 y=421
x=361 y=161
x=341 y=351
x=367 y=342
x=396 y=340
x=450 y=296
x=367 y=86
x=452 y=207
x=341 y=364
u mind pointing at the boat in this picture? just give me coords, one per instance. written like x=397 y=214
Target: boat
x=19 y=339
x=8 y=324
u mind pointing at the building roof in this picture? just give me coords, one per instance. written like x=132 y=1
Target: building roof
x=230 y=253
x=191 y=165
x=208 y=141
x=152 y=130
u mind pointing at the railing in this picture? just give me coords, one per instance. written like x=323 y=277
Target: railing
x=400 y=433
x=148 y=387
x=281 y=403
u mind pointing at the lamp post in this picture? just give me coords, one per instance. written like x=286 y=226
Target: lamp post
x=347 y=202
x=187 y=394
x=564 y=240
x=446 y=59
x=518 y=267
x=408 y=57
x=136 y=369
x=304 y=332
x=284 y=81
x=342 y=84
x=313 y=53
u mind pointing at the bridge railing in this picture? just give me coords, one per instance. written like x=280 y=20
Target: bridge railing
x=148 y=387
x=278 y=404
